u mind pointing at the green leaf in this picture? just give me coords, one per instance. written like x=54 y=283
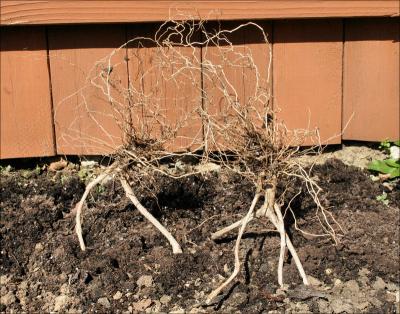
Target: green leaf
x=392 y=163
x=380 y=166
x=388 y=166
x=385 y=145
x=395 y=173
x=397 y=143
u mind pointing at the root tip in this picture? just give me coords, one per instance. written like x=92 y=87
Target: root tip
x=177 y=251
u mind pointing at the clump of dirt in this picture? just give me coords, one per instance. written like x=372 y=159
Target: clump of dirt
x=129 y=267
x=352 y=155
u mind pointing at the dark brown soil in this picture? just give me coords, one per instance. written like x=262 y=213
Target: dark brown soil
x=41 y=262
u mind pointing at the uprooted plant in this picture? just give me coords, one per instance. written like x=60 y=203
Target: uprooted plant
x=162 y=67
x=221 y=108
x=247 y=138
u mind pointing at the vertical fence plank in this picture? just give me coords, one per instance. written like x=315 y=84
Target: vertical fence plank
x=26 y=117
x=307 y=62
x=174 y=98
x=371 y=79
x=86 y=123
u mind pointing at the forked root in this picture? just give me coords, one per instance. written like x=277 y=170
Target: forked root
x=277 y=220
x=290 y=247
x=275 y=216
x=176 y=249
x=236 y=270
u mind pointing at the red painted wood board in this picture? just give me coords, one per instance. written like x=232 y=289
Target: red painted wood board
x=371 y=99
x=163 y=84
x=26 y=116
x=119 y=11
x=307 y=77
x=85 y=121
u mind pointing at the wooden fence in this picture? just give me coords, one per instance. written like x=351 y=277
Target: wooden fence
x=327 y=73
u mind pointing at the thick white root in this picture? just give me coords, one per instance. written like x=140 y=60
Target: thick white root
x=79 y=206
x=176 y=249
x=275 y=216
x=236 y=270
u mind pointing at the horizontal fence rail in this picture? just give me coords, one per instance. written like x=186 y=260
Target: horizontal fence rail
x=104 y=11
x=338 y=75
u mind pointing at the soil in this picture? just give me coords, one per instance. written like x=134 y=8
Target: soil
x=129 y=267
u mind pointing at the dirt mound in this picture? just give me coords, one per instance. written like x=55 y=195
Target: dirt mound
x=128 y=265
